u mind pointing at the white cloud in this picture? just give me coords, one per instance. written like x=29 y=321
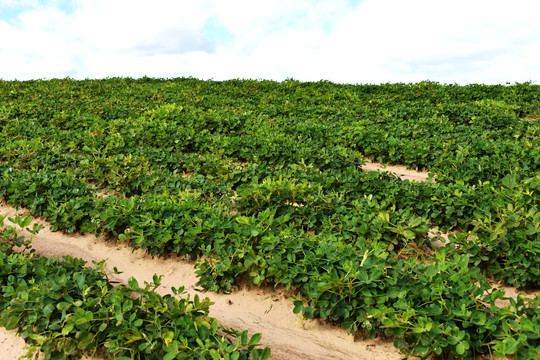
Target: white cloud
x=140 y=27
x=375 y=41
x=36 y=46
x=16 y=3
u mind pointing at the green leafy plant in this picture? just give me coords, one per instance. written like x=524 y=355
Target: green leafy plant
x=65 y=309
x=263 y=182
x=11 y=234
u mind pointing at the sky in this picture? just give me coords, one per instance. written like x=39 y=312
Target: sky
x=343 y=41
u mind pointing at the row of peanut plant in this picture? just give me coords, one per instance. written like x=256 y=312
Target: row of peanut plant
x=262 y=181
x=67 y=309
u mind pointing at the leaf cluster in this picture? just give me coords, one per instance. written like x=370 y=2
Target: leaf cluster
x=67 y=309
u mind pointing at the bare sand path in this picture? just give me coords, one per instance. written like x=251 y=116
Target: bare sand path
x=264 y=310
x=12 y=346
x=399 y=170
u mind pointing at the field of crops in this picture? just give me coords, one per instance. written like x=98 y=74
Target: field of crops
x=262 y=183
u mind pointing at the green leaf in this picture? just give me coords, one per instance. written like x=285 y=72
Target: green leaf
x=244 y=338
x=478 y=318
x=169 y=356
x=67 y=329
x=510 y=346
x=85 y=340
x=298 y=306
x=421 y=350
x=255 y=339
x=265 y=353
x=128 y=304
x=242 y=220
x=63 y=306
x=408 y=234
x=214 y=354
x=133 y=283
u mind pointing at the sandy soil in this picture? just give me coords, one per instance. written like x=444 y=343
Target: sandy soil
x=438 y=238
x=399 y=170
x=12 y=346
x=264 y=310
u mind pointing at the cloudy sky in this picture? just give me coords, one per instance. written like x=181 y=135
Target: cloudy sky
x=344 y=41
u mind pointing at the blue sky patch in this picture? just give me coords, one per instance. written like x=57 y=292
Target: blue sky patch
x=216 y=33
x=9 y=13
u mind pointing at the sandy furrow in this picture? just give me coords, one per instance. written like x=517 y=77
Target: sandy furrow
x=11 y=345
x=264 y=310
x=399 y=170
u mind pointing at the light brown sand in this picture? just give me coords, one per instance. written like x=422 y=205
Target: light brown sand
x=263 y=310
x=438 y=238
x=399 y=170
x=11 y=345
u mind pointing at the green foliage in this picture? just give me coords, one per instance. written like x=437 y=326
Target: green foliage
x=263 y=182
x=506 y=239
x=11 y=236
x=66 y=309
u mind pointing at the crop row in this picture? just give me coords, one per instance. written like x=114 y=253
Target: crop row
x=264 y=180
x=330 y=201
x=315 y=201
x=474 y=133
x=359 y=284
x=67 y=309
